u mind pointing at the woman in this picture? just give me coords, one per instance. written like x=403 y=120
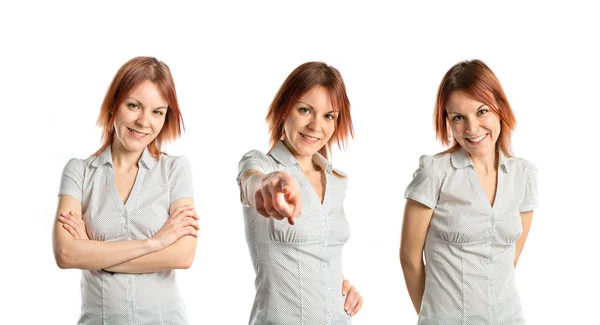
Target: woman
x=298 y=263
x=468 y=208
x=125 y=215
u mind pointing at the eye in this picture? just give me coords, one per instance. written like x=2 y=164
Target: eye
x=303 y=110
x=329 y=116
x=158 y=112
x=457 y=118
x=133 y=106
x=482 y=112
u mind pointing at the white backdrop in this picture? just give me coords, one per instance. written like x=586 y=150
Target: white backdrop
x=228 y=60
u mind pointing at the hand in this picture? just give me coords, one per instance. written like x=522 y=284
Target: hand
x=74 y=224
x=279 y=197
x=182 y=222
x=354 y=301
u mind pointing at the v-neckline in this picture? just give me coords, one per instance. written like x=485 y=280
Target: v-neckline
x=134 y=190
x=314 y=191
x=482 y=192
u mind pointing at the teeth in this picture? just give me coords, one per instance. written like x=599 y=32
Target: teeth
x=477 y=139
x=135 y=132
x=308 y=137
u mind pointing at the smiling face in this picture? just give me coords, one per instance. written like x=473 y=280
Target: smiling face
x=139 y=118
x=310 y=123
x=474 y=125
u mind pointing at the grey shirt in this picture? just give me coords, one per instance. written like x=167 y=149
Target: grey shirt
x=150 y=298
x=298 y=268
x=470 y=245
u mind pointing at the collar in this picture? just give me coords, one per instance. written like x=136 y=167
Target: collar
x=283 y=155
x=106 y=157
x=460 y=159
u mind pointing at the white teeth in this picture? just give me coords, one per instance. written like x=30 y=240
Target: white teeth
x=308 y=137
x=477 y=139
x=135 y=132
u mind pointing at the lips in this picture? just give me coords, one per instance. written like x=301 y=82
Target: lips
x=306 y=136
x=477 y=139
x=137 y=134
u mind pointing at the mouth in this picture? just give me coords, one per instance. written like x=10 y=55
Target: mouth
x=137 y=134
x=310 y=138
x=477 y=139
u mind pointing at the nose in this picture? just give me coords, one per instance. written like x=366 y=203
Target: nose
x=472 y=126
x=143 y=119
x=315 y=123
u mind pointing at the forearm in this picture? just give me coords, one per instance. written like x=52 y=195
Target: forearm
x=414 y=277
x=179 y=255
x=250 y=186
x=95 y=255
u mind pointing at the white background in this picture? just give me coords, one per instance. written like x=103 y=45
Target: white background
x=228 y=60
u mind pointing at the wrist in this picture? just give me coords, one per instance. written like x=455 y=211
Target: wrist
x=153 y=245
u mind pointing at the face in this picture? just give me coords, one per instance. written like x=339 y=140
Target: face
x=474 y=125
x=140 y=118
x=310 y=123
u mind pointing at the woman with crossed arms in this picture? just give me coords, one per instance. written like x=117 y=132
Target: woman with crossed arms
x=125 y=215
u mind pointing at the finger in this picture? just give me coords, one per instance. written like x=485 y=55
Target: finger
x=186 y=213
x=345 y=287
x=260 y=204
x=190 y=222
x=180 y=209
x=351 y=300
x=189 y=230
x=295 y=199
x=71 y=230
x=281 y=206
x=268 y=204
x=357 y=307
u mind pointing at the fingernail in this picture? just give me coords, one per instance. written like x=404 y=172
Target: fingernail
x=71 y=213
x=344 y=293
x=63 y=214
x=346 y=308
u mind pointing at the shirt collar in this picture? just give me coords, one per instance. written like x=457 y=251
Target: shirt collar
x=460 y=159
x=106 y=157
x=283 y=155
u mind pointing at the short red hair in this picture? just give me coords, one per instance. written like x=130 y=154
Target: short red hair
x=128 y=78
x=301 y=80
x=477 y=81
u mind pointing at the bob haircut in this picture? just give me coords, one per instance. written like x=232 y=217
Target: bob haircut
x=301 y=80
x=477 y=81
x=128 y=78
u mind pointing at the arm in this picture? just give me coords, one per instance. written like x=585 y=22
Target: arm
x=526 y=218
x=70 y=252
x=414 y=230
x=179 y=255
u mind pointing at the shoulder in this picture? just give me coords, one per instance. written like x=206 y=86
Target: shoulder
x=520 y=165
x=174 y=162
x=256 y=159
x=435 y=163
x=77 y=165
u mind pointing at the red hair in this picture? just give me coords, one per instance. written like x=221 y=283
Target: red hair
x=301 y=80
x=128 y=78
x=477 y=81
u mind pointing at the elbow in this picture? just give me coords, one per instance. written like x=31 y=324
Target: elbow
x=61 y=256
x=410 y=261
x=187 y=260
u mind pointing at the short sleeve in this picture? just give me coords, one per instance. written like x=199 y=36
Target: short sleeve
x=425 y=185
x=530 y=197
x=180 y=179
x=71 y=181
x=254 y=160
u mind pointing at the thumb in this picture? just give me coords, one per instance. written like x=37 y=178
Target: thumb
x=345 y=287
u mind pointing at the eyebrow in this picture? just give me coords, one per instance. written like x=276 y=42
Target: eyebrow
x=309 y=106
x=140 y=103
x=475 y=110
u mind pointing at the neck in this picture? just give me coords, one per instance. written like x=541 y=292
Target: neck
x=487 y=164
x=124 y=159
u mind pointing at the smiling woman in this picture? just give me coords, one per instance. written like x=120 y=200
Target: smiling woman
x=298 y=264
x=468 y=209
x=125 y=215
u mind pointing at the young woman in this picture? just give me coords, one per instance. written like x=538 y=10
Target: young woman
x=293 y=204
x=125 y=215
x=468 y=208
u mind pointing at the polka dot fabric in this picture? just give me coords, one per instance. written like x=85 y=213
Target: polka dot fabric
x=470 y=245
x=298 y=268
x=151 y=298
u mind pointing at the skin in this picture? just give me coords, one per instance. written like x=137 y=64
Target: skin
x=277 y=195
x=469 y=120
x=173 y=246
